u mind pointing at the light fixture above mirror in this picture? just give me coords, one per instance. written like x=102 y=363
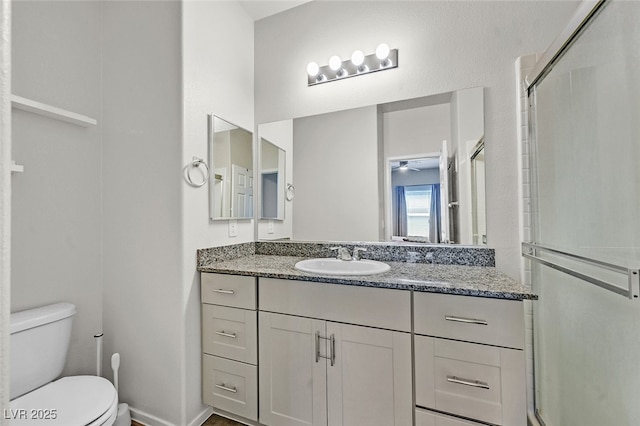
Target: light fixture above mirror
x=359 y=64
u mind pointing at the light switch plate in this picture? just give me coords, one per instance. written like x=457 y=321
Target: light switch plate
x=233 y=228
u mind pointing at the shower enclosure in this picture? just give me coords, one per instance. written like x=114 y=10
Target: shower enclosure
x=584 y=116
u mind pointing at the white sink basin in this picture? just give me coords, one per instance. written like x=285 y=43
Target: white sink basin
x=330 y=266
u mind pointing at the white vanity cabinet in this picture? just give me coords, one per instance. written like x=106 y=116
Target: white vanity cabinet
x=319 y=372
x=230 y=344
x=469 y=359
x=281 y=352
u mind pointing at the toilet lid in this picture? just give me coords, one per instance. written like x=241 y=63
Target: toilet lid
x=69 y=401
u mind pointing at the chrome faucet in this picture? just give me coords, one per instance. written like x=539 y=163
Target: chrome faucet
x=343 y=253
x=356 y=252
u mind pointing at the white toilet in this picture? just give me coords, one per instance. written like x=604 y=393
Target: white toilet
x=39 y=343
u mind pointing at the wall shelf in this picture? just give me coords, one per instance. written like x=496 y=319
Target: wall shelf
x=45 y=110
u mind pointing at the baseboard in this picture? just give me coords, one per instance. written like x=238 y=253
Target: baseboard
x=532 y=419
x=202 y=417
x=147 y=419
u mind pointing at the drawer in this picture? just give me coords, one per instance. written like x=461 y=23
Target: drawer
x=375 y=307
x=230 y=333
x=472 y=319
x=484 y=383
x=430 y=418
x=229 y=290
x=230 y=386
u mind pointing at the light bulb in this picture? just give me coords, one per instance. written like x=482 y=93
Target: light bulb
x=313 y=69
x=335 y=63
x=357 y=58
x=382 y=51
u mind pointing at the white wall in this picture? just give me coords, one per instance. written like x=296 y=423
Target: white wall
x=443 y=46
x=57 y=212
x=416 y=131
x=217 y=72
x=142 y=182
x=335 y=160
x=280 y=134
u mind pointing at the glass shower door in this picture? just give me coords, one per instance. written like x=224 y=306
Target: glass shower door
x=585 y=162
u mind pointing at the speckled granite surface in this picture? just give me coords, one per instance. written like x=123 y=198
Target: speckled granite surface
x=219 y=254
x=452 y=279
x=385 y=252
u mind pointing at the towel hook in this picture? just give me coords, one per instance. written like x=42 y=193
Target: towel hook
x=195 y=164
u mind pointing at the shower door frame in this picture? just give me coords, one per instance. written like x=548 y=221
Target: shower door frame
x=584 y=14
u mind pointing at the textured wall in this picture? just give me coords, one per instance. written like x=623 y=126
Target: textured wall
x=217 y=77
x=56 y=205
x=444 y=46
x=142 y=131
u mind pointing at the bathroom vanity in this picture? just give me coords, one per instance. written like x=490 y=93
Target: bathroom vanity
x=423 y=344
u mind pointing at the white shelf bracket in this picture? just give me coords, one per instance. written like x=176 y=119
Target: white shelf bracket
x=16 y=168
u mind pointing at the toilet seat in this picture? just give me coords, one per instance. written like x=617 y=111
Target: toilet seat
x=74 y=401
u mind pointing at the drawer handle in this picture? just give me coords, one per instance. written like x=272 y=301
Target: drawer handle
x=226 y=388
x=472 y=383
x=466 y=320
x=231 y=335
x=220 y=290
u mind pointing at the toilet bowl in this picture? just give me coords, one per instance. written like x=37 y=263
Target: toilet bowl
x=39 y=343
x=74 y=400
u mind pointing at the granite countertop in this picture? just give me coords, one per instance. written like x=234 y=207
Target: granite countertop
x=451 y=279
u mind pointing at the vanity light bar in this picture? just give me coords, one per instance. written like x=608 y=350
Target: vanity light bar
x=359 y=64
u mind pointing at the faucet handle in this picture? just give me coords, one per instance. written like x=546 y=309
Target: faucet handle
x=338 y=250
x=356 y=252
x=343 y=253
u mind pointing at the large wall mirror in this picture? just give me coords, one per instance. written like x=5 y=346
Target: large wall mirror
x=410 y=170
x=231 y=181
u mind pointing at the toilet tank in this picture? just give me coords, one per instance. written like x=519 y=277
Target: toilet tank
x=39 y=343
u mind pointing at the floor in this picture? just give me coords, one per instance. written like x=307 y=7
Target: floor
x=211 y=421
x=220 y=421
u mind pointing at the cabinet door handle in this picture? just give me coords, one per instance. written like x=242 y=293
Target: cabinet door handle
x=332 y=339
x=333 y=349
x=466 y=320
x=226 y=388
x=222 y=333
x=466 y=382
x=223 y=291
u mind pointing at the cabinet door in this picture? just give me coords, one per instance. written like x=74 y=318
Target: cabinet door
x=369 y=382
x=292 y=377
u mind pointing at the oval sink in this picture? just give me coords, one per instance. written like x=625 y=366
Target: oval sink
x=330 y=266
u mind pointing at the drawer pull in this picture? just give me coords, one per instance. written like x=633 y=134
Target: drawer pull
x=466 y=320
x=231 y=335
x=228 y=389
x=220 y=290
x=472 y=383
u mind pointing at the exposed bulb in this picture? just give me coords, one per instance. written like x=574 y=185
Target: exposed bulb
x=357 y=58
x=382 y=51
x=335 y=63
x=313 y=69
